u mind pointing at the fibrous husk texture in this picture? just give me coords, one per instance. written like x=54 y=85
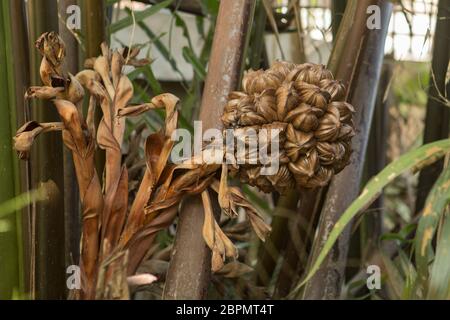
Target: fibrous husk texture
x=308 y=107
x=117 y=234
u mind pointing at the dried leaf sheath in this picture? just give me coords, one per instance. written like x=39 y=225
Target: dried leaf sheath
x=90 y=190
x=158 y=148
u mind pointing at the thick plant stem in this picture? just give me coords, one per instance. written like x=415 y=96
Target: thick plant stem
x=365 y=242
x=21 y=83
x=269 y=253
x=310 y=204
x=189 y=6
x=300 y=235
x=350 y=28
x=11 y=253
x=226 y=64
x=94 y=26
x=344 y=188
x=94 y=31
x=372 y=225
x=437 y=116
x=71 y=199
x=48 y=217
x=257 y=43
x=338 y=9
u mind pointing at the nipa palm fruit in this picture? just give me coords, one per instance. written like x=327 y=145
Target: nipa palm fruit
x=314 y=123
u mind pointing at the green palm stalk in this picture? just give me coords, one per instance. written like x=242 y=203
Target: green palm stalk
x=11 y=266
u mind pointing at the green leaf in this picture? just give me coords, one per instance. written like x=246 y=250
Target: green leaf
x=210 y=7
x=435 y=205
x=396 y=282
x=112 y=2
x=11 y=240
x=151 y=79
x=179 y=22
x=402 y=235
x=139 y=16
x=161 y=48
x=190 y=57
x=409 y=274
x=439 y=285
x=20 y=202
x=414 y=159
x=200 y=25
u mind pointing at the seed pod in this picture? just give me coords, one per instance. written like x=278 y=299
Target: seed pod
x=346 y=111
x=304 y=118
x=306 y=166
x=252 y=176
x=329 y=126
x=298 y=142
x=266 y=106
x=329 y=153
x=287 y=99
x=281 y=69
x=321 y=178
x=282 y=180
x=313 y=95
x=335 y=88
x=257 y=81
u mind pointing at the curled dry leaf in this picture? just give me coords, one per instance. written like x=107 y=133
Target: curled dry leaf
x=53 y=51
x=231 y=197
x=82 y=148
x=52 y=48
x=216 y=240
x=26 y=135
x=44 y=93
x=101 y=65
x=131 y=59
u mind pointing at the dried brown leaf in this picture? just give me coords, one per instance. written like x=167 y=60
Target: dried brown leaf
x=209 y=223
x=26 y=135
x=44 y=93
x=101 y=65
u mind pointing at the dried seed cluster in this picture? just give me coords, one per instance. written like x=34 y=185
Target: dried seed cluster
x=307 y=105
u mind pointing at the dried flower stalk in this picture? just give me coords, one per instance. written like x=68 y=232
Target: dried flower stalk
x=115 y=240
